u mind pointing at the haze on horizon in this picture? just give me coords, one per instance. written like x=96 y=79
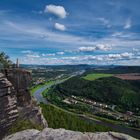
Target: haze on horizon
x=54 y=32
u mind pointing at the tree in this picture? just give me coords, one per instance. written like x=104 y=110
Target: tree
x=4 y=60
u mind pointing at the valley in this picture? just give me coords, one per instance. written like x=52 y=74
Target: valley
x=100 y=110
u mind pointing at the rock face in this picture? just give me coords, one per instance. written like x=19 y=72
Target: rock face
x=62 y=134
x=20 y=79
x=16 y=101
x=8 y=104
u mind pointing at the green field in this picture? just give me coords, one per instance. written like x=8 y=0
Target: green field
x=95 y=76
x=35 y=88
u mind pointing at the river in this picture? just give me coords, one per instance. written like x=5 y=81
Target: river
x=118 y=128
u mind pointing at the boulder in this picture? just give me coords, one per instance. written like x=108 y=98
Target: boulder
x=62 y=134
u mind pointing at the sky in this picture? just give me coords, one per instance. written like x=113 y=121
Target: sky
x=58 y=32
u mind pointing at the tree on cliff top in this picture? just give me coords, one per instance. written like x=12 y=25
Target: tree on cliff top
x=5 y=62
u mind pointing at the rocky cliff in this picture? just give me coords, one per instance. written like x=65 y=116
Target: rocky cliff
x=8 y=104
x=62 y=134
x=16 y=102
x=20 y=79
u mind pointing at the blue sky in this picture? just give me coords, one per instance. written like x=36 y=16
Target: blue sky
x=55 y=32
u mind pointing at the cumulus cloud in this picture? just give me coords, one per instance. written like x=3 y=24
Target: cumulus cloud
x=58 y=11
x=103 y=47
x=128 y=24
x=59 y=26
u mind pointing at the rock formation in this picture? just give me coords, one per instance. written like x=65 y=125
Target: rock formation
x=16 y=101
x=8 y=104
x=20 y=79
x=62 y=134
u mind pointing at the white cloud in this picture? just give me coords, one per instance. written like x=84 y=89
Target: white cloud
x=103 y=47
x=128 y=24
x=59 y=26
x=100 y=59
x=117 y=34
x=59 y=11
x=105 y=22
x=33 y=56
x=22 y=32
x=124 y=55
x=60 y=53
x=87 y=49
x=48 y=54
x=26 y=51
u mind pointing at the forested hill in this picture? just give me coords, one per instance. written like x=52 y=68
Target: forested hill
x=109 y=90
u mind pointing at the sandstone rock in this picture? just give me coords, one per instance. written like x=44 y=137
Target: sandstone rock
x=16 y=101
x=20 y=79
x=62 y=134
x=24 y=135
x=8 y=105
x=34 y=115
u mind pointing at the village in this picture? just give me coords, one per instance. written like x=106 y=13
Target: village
x=105 y=111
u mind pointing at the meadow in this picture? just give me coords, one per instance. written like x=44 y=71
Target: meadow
x=95 y=76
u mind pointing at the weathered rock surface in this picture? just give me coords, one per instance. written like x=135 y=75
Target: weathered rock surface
x=8 y=104
x=33 y=114
x=20 y=79
x=16 y=101
x=62 y=134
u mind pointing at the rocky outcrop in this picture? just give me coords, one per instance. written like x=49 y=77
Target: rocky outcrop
x=62 y=134
x=16 y=102
x=8 y=104
x=20 y=79
x=33 y=114
x=27 y=106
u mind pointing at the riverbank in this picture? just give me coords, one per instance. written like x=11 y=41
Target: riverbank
x=115 y=127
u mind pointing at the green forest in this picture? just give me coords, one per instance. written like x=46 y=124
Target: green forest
x=58 y=118
x=110 y=90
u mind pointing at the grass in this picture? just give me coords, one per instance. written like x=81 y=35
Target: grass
x=34 y=89
x=44 y=93
x=21 y=125
x=95 y=76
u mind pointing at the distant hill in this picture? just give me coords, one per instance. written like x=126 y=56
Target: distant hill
x=109 y=90
x=114 y=69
